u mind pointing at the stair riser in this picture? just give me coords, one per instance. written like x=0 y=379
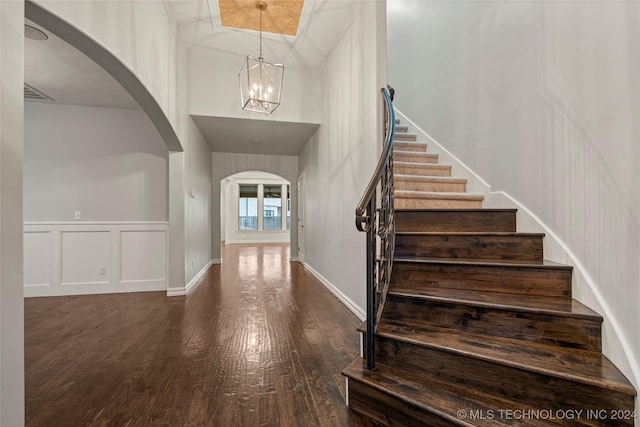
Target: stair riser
x=549 y=329
x=535 y=389
x=405 y=157
x=520 y=280
x=413 y=147
x=514 y=247
x=456 y=221
x=425 y=169
x=389 y=410
x=401 y=203
x=398 y=136
x=402 y=129
x=450 y=187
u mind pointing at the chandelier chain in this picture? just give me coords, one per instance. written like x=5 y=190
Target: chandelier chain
x=261 y=9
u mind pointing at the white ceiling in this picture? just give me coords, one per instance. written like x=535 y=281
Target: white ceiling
x=66 y=75
x=234 y=135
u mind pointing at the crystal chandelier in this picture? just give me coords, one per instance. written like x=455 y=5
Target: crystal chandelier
x=260 y=81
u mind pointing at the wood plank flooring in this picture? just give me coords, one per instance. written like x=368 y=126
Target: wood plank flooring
x=258 y=342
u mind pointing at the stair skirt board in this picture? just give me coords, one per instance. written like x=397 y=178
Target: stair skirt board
x=476 y=320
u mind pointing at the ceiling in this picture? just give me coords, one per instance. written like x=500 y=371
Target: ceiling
x=67 y=76
x=233 y=135
x=322 y=25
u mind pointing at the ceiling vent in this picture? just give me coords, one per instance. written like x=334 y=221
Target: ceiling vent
x=31 y=93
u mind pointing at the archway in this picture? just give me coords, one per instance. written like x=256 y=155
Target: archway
x=255 y=207
x=228 y=164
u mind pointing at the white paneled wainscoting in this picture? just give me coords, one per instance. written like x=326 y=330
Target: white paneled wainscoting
x=74 y=258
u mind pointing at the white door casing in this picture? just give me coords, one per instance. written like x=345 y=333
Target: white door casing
x=301 y=219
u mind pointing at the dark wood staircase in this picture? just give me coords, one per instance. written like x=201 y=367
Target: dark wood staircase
x=479 y=330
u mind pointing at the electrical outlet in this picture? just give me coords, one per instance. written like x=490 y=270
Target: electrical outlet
x=77 y=215
x=103 y=270
x=193 y=263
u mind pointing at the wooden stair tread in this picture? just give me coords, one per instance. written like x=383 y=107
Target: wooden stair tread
x=498 y=262
x=567 y=307
x=444 y=400
x=469 y=233
x=427 y=178
x=576 y=365
x=413 y=194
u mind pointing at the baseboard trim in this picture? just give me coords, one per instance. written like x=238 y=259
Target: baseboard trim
x=293 y=259
x=197 y=277
x=216 y=261
x=176 y=291
x=256 y=241
x=46 y=290
x=348 y=302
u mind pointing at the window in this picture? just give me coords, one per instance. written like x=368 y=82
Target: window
x=272 y=207
x=267 y=198
x=248 y=207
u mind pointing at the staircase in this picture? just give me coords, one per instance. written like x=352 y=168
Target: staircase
x=478 y=329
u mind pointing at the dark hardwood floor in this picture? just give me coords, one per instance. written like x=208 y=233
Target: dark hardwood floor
x=258 y=342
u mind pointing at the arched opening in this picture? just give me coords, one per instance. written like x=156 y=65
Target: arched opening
x=280 y=170
x=255 y=207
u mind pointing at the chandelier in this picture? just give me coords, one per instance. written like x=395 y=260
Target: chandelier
x=260 y=81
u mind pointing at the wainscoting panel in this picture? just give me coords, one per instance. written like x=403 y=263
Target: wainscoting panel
x=37 y=267
x=84 y=253
x=75 y=258
x=143 y=256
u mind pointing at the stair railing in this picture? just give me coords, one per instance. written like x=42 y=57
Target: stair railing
x=375 y=216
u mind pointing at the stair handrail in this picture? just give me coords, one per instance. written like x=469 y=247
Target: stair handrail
x=379 y=224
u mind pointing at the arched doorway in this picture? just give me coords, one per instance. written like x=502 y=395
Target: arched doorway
x=255 y=207
x=228 y=165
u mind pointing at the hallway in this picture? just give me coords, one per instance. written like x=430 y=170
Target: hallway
x=257 y=342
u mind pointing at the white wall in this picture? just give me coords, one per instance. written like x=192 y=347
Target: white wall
x=198 y=204
x=229 y=210
x=226 y=164
x=109 y=164
x=542 y=100
x=11 y=153
x=214 y=89
x=341 y=157
x=197 y=181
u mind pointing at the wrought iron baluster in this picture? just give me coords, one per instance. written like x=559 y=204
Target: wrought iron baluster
x=379 y=224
